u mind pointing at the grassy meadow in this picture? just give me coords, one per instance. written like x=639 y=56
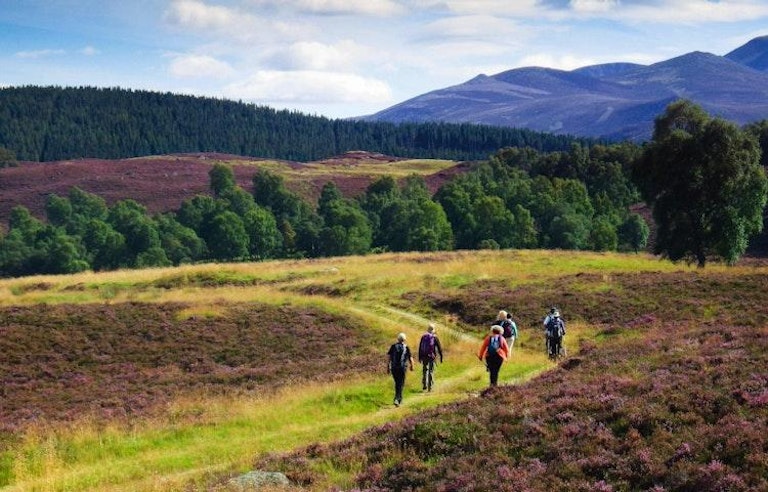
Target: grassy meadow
x=180 y=378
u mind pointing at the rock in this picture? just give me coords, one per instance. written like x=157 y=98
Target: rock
x=257 y=479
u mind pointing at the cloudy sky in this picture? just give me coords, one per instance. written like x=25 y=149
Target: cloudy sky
x=341 y=58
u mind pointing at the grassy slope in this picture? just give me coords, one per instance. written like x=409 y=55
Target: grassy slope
x=200 y=432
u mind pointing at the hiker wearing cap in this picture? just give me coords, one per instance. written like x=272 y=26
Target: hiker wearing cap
x=399 y=359
x=495 y=351
x=429 y=350
x=504 y=319
x=555 y=331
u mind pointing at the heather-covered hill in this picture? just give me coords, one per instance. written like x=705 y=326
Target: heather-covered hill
x=162 y=183
x=182 y=378
x=671 y=395
x=128 y=359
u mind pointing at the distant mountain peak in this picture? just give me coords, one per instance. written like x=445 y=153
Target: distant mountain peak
x=754 y=54
x=612 y=100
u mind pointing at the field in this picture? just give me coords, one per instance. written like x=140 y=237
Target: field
x=180 y=379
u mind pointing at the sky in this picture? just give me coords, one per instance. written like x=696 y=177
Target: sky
x=344 y=58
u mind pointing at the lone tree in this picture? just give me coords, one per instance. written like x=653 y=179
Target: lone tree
x=703 y=179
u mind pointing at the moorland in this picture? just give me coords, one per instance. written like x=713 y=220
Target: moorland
x=183 y=378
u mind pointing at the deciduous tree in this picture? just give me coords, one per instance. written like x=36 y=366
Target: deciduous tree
x=703 y=179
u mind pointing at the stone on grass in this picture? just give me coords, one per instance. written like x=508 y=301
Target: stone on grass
x=257 y=479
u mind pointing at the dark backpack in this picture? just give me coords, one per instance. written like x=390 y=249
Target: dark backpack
x=507 y=325
x=427 y=347
x=555 y=328
x=494 y=344
x=399 y=357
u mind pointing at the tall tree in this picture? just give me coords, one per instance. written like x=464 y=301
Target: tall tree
x=222 y=179
x=346 y=228
x=703 y=179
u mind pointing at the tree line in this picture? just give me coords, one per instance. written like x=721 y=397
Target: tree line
x=54 y=123
x=520 y=198
x=702 y=176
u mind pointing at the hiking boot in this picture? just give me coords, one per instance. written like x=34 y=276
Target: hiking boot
x=396 y=402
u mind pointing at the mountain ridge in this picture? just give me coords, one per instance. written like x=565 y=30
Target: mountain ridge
x=613 y=100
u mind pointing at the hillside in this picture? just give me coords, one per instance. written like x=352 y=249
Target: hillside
x=667 y=401
x=616 y=101
x=162 y=183
x=183 y=378
x=52 y=123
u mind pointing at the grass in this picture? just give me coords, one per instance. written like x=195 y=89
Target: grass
x=201 y=434
x=223 y=434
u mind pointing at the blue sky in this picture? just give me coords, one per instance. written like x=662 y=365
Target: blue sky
x=341 y=58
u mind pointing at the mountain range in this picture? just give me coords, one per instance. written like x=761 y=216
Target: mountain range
x=614 y=101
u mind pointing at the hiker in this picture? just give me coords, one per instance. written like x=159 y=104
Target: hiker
x=510 y=328
x=429 y=349
x=555 y=331
x=552 y=311
x=399 y=359
x=495 y=351
x=513 y=329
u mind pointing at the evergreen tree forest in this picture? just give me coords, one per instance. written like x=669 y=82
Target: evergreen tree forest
x=519 y=198
x=53 y=123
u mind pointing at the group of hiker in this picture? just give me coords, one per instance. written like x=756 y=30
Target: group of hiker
x=495 y=349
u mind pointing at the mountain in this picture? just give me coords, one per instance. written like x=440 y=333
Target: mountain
x=754 y=54
x=616 y=100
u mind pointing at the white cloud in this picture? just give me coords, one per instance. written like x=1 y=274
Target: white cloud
x=561 y=62
x=312 y=55
x=309 y=87
x=215 y=21
x=668 y=11
x=89 y=51
x=471 y=27
x=196 y=14
x=199 y=66
x=377 y=8
x=593 y=6
x=501 y=8
x=39 y=53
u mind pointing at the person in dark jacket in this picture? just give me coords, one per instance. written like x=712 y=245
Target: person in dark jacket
x=399 y=359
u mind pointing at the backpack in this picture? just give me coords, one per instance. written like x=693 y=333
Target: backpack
x=399 y=357
x=427 y=347
x=507 y=325
x=555 y=328
x=494 y=344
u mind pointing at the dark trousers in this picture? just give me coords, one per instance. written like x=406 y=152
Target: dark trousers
x=554 y=344
x=427 y=374
x=399 y=376
x=494 y=362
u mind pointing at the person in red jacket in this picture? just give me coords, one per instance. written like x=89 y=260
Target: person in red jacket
x=495 y=351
